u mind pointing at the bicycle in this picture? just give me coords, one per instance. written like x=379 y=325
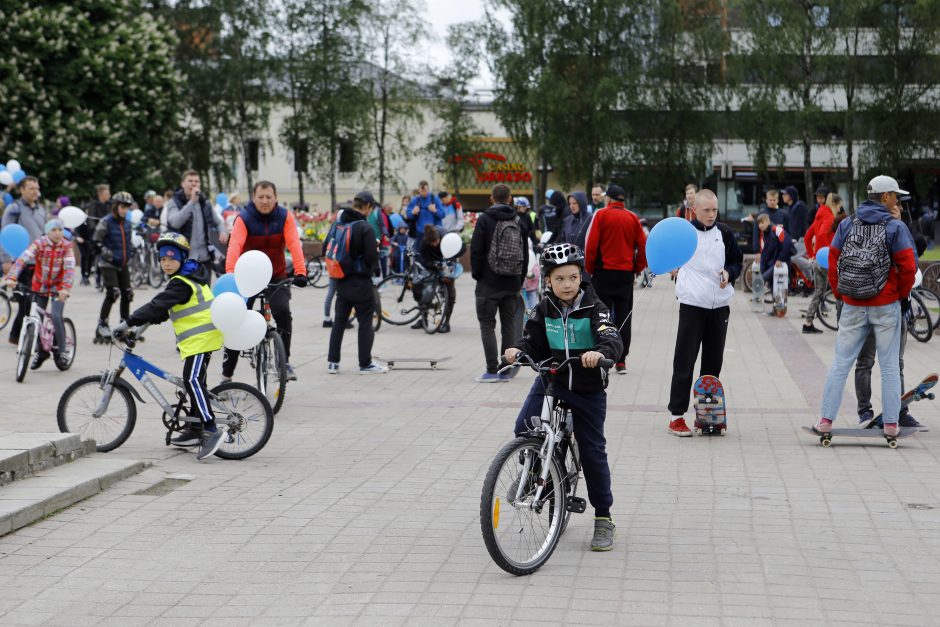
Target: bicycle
x=102 y=406
x=919 y=324
x=316 y=272
x=418 y=292
x=38 y=331
x=537 y=473
x=6 y=310
x=269 y=357
x=931 y=299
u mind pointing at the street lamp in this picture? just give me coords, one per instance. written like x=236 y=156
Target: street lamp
x=543 y=168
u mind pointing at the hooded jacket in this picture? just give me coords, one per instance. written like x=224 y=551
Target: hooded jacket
x=799 y=214
x=182 y=214
x=574 y=227
x=553 y=331
x=425 y=215
x=553 y=215
x=480 y=246
x=819 y=234
x=777 y=216
x=54 y=265
x=697 y=283
x=900 y=244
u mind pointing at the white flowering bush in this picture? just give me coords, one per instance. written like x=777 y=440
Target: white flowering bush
x=89 y=93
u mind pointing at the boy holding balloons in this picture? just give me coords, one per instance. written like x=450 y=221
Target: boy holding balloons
x=186 y=301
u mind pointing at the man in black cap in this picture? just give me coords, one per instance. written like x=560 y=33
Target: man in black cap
x=821 y=193
x=354 y=289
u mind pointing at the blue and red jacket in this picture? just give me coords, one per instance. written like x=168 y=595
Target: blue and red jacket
x=270 y=233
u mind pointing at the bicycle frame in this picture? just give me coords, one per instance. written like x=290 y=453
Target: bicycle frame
x=141 y=369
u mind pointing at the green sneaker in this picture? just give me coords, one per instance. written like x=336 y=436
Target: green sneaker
x=603 y=539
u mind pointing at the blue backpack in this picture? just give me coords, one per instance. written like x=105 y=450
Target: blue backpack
x=336 y=251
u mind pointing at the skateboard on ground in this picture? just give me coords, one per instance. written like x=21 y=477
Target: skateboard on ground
x=432 y=361
x=781 y=287
x=757 y=288
x=826 y=438
x=710 y=415
x=919 y=393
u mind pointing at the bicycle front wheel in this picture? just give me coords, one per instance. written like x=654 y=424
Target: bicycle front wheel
x=434 y=316
x=83 y=399
x=932 y=300
x=246 y=417
x=155 y=275
x=316 y=273
x=71 y=343
x=376 y=311
x=828 y=313
x=922 y=327
x=271 y=369
x=521 y=534
x=6 y=311
x=397 y=304
x=26 y=351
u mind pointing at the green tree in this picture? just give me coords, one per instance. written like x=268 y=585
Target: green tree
x=88 y=93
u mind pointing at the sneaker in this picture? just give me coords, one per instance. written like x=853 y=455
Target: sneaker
x=85 y=281
x=621 y=367
x=225 y=379
x=679 y=428
x=15 y=341
x=373 y=368
x=38 y=360
x=211 y=443
x=867 y=421
x=445 y=328
x=61 y=362
x=291 y=375
x=908 y=420
x=489 y=377
x=349 y=324
x=892 y=430
x=419 y=324
x=187 y=437
x=327 y=324
x=809 y=329
x=331 y=367
x=603 y=539
x=823 y=426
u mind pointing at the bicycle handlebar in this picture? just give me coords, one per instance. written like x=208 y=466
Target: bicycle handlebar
x=524 y=360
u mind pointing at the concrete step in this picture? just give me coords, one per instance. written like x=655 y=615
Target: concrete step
x=25 y=454
x=48 y=491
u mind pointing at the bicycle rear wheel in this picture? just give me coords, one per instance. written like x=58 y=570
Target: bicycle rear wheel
x=6 y=311
x=245 y=416
x=434 y=316
x=155 y=275
x=26 y=352
x=828 y=313
x=521 y=535
x=922 y=327
x=316 y=272
x=71 y=342
x=397 y=304
x=80 y=401
x=932 y=300
x=271 y=369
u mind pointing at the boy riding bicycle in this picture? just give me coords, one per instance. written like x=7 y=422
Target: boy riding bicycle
x=54 y=273
x=570 y=321
x=186 y=300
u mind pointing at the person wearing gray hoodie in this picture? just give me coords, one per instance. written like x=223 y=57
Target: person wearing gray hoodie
x=575 y=225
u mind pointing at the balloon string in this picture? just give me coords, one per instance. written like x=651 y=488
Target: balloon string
x=620 y=328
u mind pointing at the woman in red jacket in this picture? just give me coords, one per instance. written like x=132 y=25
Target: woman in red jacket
x=820 y=236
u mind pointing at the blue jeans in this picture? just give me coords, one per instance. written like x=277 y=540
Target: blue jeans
x=854 y=327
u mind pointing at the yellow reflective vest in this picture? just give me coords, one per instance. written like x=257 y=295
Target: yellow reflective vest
x=192 y=322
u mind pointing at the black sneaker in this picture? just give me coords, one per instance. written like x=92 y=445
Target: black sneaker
x=349 y=324
x=809 y=329
x=908 y=420
x=189 y=436
x=419 y=324
x=38 y=360
x=211 y=443
x=327 y=324
x=867 y=421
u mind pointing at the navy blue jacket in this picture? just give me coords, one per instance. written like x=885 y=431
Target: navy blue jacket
x=777 y=247
x=114 y=235
x=799 y=214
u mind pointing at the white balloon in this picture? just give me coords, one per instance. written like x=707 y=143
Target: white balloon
x=450 y=245
x=228 y=312
x=13 y=166
x=136 y=240
x=6 y=178
x=253 y=272
x=918 y=278
x=72 y=217
x=249 y=334
x=137 y=216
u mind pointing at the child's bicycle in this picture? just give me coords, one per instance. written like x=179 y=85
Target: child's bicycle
x=101 y=407
x=530 y=488
x=38 y=332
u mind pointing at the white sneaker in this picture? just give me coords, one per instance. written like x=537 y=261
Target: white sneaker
x=374 y=368
x=332 y=368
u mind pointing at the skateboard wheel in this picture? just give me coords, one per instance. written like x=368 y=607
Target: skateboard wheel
x=892 y=443
x=826 y=442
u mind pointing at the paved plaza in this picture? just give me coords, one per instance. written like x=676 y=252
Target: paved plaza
x=364 y=506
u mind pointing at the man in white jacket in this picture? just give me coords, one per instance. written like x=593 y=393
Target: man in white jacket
x=704 y=291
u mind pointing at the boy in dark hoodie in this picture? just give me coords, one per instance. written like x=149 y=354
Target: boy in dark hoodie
x=552 y=215
x=186 y=301
x=572 y=321
x=575 y=225
x=799 y=214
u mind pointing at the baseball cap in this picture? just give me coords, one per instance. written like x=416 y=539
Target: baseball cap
x=884 y=184
x=615 y=192
x=365 y=197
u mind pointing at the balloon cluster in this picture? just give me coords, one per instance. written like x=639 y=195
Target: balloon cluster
x=11 y=174
x=241 y=328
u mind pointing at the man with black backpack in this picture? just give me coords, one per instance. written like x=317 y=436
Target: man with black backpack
x=871 y=269
x=499 y=259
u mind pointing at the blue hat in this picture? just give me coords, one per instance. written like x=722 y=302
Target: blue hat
x=172 y=252
x=54 y=223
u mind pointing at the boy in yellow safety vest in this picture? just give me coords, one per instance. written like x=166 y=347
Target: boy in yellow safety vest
x=186 y=301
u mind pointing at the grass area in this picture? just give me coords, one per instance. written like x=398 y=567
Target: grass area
x=933 y=254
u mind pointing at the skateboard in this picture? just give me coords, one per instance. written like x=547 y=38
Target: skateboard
x=432 y=361
x=757 y=288
x=826 y=438
x=710 y=415
x=781 y=287
x=919 y=393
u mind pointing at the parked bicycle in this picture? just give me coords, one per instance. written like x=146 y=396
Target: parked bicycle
x=316 y=272
x=101 y=407
x=417 y=293
x=37 y=333
x=531 y=487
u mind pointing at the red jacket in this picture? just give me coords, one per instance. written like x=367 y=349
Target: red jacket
x=819 y=235
x=54 y=265
x=615 y=240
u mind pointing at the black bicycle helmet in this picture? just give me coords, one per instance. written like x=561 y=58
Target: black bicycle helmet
x=561 y=255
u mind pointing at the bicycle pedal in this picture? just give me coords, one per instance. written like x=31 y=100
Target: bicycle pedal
x=576 y=505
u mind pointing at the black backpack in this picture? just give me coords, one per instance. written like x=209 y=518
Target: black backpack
x=865 y=261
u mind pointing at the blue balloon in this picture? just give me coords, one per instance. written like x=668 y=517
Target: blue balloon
x=822 y=257
x=7 y=199
x=18 y=176
x=226 y=283
x=671 y=244
x=222 y=200
x=14 y=239
x=2 y=168
x=396 y=220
